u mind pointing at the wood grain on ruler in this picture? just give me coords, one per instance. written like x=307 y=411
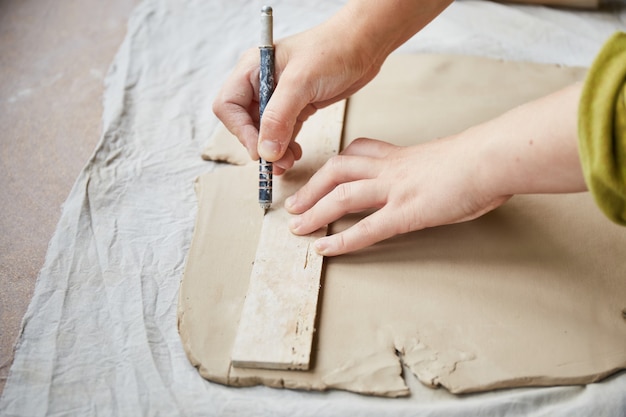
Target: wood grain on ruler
x=278 y=317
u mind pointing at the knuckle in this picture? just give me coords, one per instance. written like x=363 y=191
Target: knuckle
x=336 y=163
x=275 y=125
x=309 y=84
x=218 y=107
x=341 y=243
x=343 y=193
x=411 y=220
x=359 y=141
x=365 y=229
x=270 y=116
x=250 y=54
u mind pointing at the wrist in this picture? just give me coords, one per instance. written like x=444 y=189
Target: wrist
x=531 y=149
x=380 y=27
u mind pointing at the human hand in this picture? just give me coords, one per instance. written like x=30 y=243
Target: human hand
x=444 y=181
x=431 y=184
x=313 y=70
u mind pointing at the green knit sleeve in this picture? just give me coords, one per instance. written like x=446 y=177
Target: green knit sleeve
x=602 y=128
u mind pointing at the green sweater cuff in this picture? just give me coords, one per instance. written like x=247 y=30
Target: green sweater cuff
x=602 y=128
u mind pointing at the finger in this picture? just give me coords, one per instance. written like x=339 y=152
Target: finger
x=239 y=122
x=280 y=117
x=292 y=154
x=277 y=170
x=337 y=170
x=236 y=105
x=285 y=162
x=304 y=115
x=296 y=149
x=307 y=112
x=372 y=229
x=350 y=197
x=369 y=147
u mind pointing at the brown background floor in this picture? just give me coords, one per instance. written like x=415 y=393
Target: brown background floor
x=54 y=55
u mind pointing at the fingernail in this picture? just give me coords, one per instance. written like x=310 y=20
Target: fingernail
x=269 y=149
x=322 y=246
x=290 y=202
x=295 y=223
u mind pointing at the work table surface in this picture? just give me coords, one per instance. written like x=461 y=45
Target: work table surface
x=54 y=56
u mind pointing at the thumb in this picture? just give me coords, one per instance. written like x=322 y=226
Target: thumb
x=279 y=119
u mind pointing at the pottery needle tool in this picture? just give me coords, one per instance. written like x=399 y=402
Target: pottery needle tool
x=266 y=88
x=277 y=321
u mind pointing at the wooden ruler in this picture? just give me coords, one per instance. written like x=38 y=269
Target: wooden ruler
x=278 y=317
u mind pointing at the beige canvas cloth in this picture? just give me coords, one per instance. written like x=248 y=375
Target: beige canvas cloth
x=530 y=294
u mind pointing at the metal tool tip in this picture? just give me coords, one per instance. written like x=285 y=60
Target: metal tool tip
x=265 y=207
x=266 y=10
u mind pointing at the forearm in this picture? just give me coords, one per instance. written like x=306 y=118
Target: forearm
x=314 y=69
x=532 y=148
x=382 y=26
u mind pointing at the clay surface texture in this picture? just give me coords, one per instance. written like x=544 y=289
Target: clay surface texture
x=528 y=295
